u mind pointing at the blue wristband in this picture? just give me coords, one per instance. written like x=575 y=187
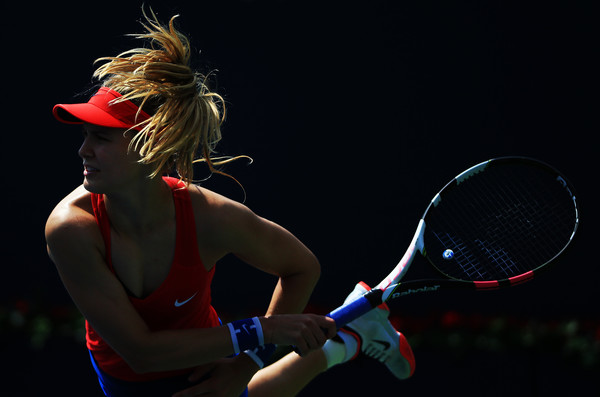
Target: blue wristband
x=261 y=354
x=246 y=334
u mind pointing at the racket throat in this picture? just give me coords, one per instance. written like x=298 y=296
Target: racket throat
x=375 y=297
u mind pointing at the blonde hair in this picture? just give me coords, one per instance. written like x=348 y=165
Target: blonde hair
x=185 y=113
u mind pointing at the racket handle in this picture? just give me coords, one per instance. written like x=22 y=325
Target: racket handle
x=353 y=310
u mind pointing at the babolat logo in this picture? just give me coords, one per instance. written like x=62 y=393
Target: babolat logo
x=416 y=290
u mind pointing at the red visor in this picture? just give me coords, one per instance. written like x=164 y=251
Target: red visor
x=102 y=110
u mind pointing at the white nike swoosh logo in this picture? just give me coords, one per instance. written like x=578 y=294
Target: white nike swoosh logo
x=177 y=303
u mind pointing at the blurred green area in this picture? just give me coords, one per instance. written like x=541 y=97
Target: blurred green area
x=575 y=340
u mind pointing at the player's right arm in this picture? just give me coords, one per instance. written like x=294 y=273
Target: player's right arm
x=76 y=247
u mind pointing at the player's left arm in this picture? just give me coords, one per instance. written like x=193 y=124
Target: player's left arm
x=273 y=249
x=231 y=228
x=267 y=246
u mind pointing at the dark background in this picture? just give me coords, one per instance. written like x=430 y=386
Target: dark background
x=355 y=113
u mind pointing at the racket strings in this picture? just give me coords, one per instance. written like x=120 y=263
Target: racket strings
x=500 y=223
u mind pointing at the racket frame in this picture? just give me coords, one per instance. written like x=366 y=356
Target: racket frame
x=391 y=287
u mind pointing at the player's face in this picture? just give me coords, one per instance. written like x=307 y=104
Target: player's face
x=107 y=162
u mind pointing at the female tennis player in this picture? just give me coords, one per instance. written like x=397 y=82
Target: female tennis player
x=136 y=249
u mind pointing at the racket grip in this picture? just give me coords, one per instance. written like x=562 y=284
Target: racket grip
x=353 y=310
x=344 y=314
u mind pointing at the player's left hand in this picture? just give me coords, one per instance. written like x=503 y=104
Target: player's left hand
x=226 y=377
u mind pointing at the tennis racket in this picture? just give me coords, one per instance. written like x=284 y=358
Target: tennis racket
x=495 y=225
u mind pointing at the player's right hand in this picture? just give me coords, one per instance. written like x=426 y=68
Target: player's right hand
x=306 y=332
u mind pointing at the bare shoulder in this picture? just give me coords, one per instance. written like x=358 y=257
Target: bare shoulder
x=72 y=219
x=222 y=224
x=218 y=208
x=225 y=226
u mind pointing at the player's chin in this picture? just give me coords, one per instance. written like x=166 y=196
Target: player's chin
x=93 y=186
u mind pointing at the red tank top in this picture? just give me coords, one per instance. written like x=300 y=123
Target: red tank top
x=182 y=301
